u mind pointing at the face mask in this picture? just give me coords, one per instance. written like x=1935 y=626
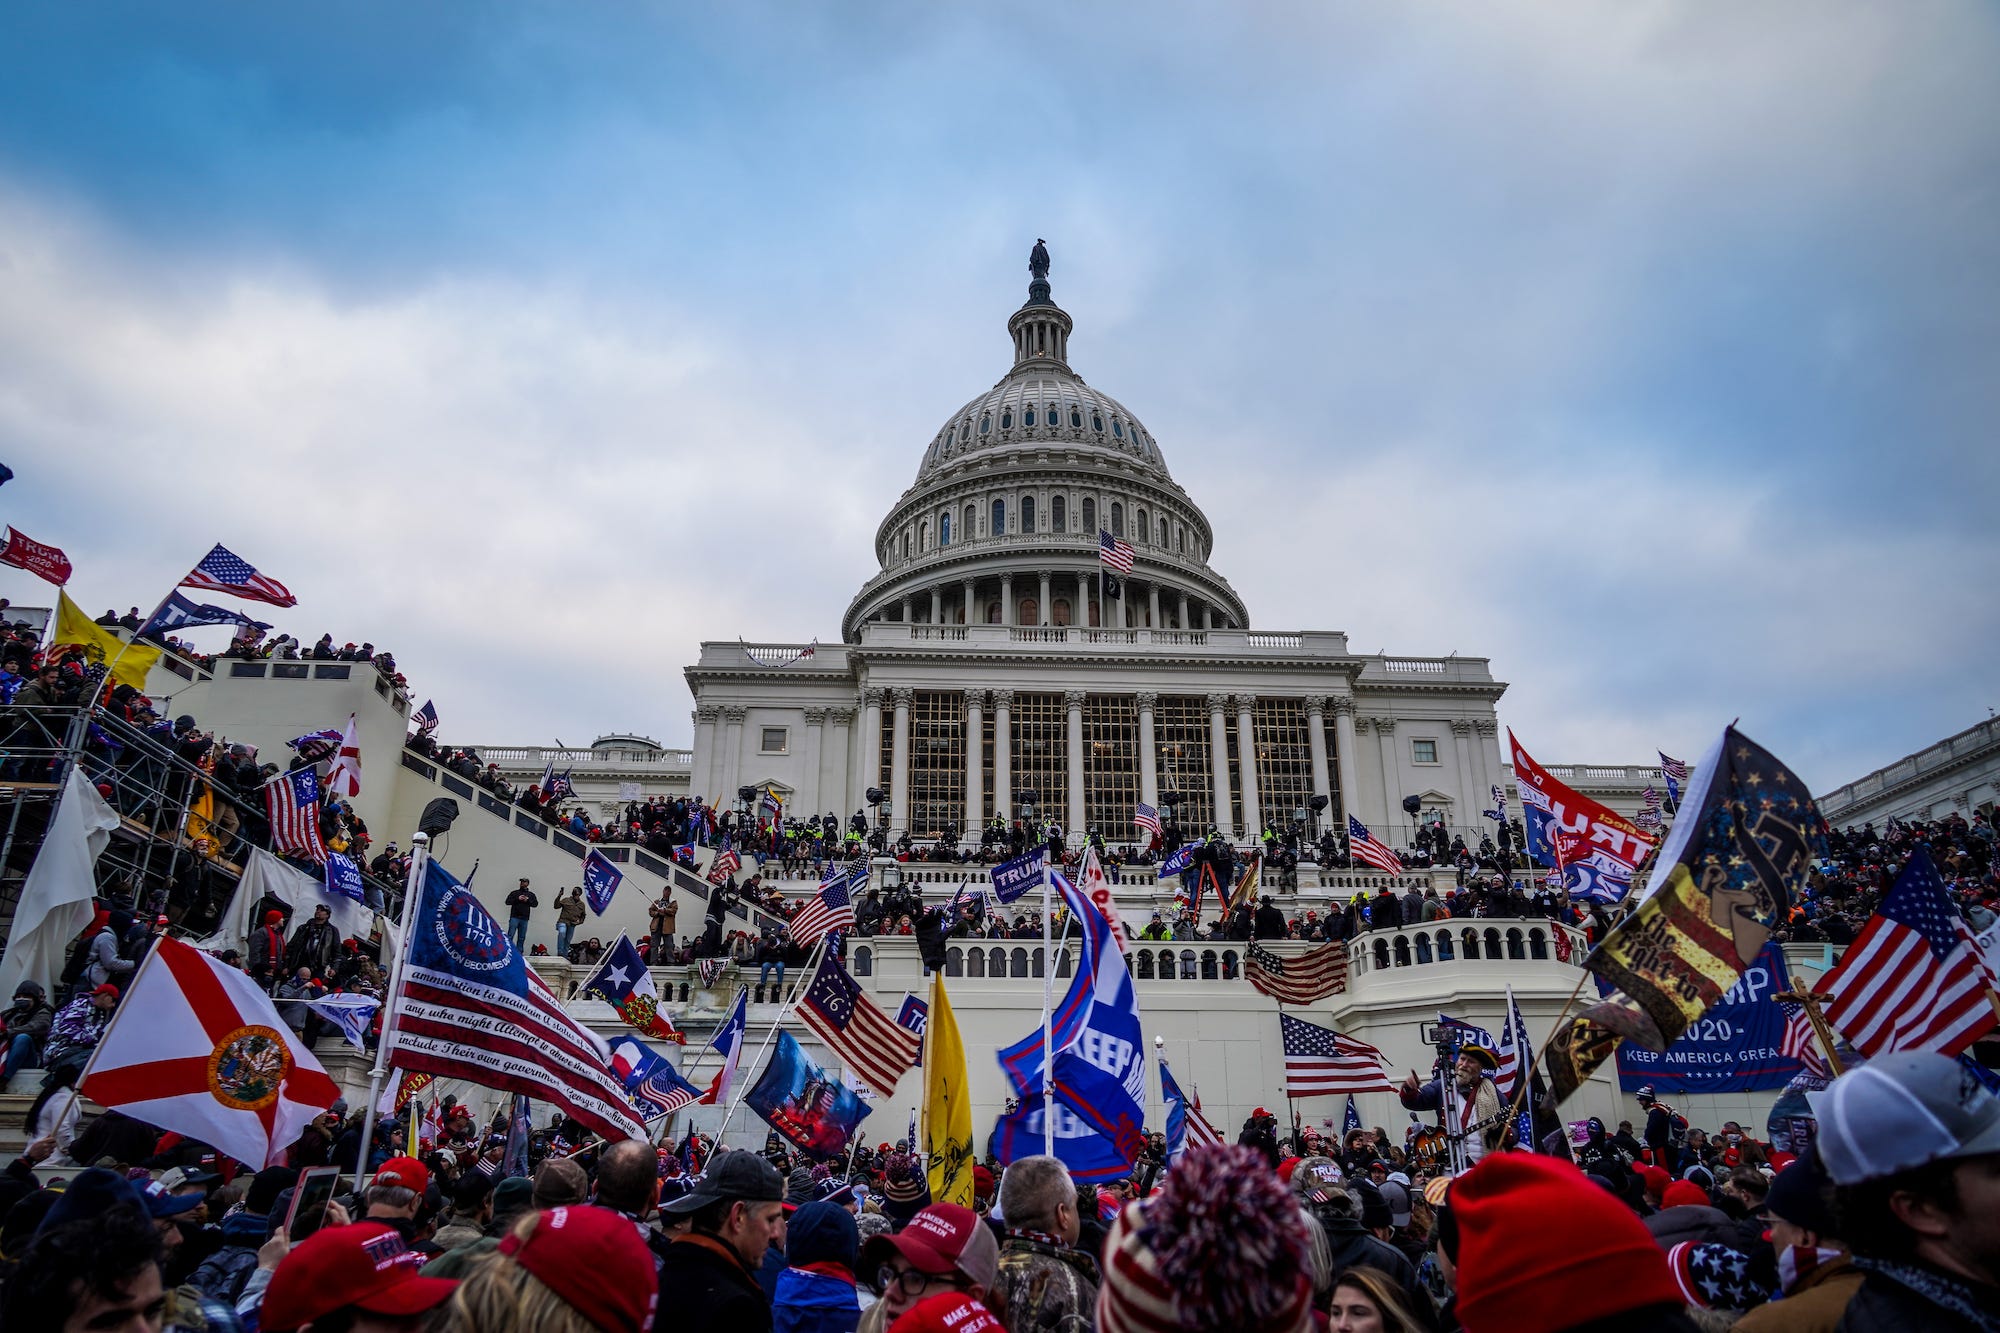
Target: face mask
x=1796 y=1261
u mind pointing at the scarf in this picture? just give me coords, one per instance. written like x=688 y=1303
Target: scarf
x=1798 y=1262
x=1939 y=1289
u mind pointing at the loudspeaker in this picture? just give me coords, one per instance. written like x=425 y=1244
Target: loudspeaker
x=438 y=816
x=1412 y=804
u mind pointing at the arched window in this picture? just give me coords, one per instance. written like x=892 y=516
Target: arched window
x=985 y=423
x=1029 y=611
x=1020 y=961
x=1140 y=527
x=906 y=543
x=1117 y=519
x=954 y=963
x=1028 y=417
x=975 y=961
x=924 y=537
x=965 y=429
x=1057 y=513
x=1089 y=516
x=971 y=528
x=993 y=613
x=1180 y=537
x=864 y=962
x=1075 y=419
x=999 y=517
x=1118 y=428
x=1145 y=970
x=944 y=528
x=1027 y=513
x=1097 y=422
x=1007 y=419
x=1093 y=605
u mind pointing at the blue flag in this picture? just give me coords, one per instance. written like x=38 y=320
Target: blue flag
x=1181 y=861
x=179 y=612
x=1013 y=878
x=601 y=878
x=453 y=934
x=655 y=1086
x=812 y=1112
x=514 y=1159
x=1177 y=1113
x=343 y=877
x=1090 y=1156
x=1352 y=1120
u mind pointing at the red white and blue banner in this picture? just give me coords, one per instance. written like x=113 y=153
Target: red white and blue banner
x=1737 y=1046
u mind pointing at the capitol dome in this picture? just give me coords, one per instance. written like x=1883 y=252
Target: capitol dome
x=1002 y=524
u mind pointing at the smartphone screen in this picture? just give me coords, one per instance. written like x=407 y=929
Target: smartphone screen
x=310 y=1198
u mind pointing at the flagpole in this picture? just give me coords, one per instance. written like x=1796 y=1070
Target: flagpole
x=1048 y=1003
x=811 y=967
x=420 y=858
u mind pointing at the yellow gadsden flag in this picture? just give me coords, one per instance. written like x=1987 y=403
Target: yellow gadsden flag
x=947 y=1102
x=131 y=661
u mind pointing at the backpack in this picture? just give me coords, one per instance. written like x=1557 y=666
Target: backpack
x=78 y=960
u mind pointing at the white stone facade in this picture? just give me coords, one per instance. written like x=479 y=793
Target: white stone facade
x=1959 y=775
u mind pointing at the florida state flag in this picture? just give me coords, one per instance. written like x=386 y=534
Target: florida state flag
x=195 y=1047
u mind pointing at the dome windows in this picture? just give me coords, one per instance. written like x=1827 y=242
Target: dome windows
x=1163 y=533
x=1117 y=519
x=1118 y=428
x=965 y=429
x=971 y=523
x=1029 y=417
x=1140 y=528
x=999 y=517
x=1089 y=514
x=1097 y=422
x=944 y=528
x=1007 y=419
x=1027 y=513
x=1075 y=419
x=1058 y=513
x=985 y=424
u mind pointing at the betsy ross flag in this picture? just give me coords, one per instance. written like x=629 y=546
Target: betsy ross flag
x=1113 y=553
x=626 y=984
x=728 y=1041
x=1361 y=845
x=856 y=1028
x=1146 y=817
x=1320 y=1062
x=828 y=910
x=1303 y=979
x=222 y=570
x=199 y=1049
x=292 y=801
x=472 y=1008
x=1914 y=979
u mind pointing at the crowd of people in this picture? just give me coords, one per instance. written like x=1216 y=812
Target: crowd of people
x=1883 y=1225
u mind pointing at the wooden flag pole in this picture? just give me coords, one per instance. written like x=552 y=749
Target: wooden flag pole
x=1809 y=1002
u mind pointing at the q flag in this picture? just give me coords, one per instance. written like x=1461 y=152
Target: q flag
x=1725 y=877
x=1013 y=878
x=1612 y=845
x=600 y=880
x=38 y=558
x=814 y=1113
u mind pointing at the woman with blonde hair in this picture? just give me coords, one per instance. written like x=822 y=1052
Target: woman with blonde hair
x=567 y=1270
x=1366 y=1300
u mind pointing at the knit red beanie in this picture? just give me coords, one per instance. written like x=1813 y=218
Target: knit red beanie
x=1684 y=1193
x=1538 y=1244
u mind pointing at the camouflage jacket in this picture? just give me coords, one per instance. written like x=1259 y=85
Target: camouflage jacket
x=1050 y=1287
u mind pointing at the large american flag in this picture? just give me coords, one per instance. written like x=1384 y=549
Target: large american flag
x=725 y=864
x=1802 y=1043
x=1113 y=553
x=222 y=570
x=828 y=910
x=292 y=801
x=1320 y=1062
x=1146 y=817
x=1516 y=1054
x=871 y=1042
x=1362 y=845
x=1914 y=979
x=1310 y=977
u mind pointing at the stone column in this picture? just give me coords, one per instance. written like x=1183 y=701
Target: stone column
x=732 y=750
x=1487 y=748
x=837 y=761
x=1007 y=616
x=1469 y=793
x=1153 y=605
x=1207 y=616
x=1246 y=760
x=975 y=787
x=1181 y=621
x=1316 y=738
x=1043 y=612
x=1392 y=782
x=808 y=794
x=1149 y=759
x=708 y=750
x=937 y=604
x=1121 y=606
x=1073 y=701
x=1218 y=754
x=909 y=609
x=971 y=604
x=1343 y=758
x=1003 y=754
x=868 y=749
x=899 y=763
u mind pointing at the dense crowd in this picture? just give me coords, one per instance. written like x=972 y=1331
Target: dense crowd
x=1885 y=1225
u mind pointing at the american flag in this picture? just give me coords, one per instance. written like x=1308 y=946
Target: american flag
x=828 y=910
x=315 y=745
x=222 y=570
x=725 y=864
x=1146 y=817
x=1516 y=1055
x=292 y=801
x=856 y=1028
x=1305 y=979
x=1361 y=843
x=710 y=969
x=1801 y=1043
x=1320 y=1062
x=1675 y=771
x=426 y=717
x=1914 y=979
x=1113 y=553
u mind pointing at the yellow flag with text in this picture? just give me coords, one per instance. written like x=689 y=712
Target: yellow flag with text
x=947 y=1102
x=101 y=645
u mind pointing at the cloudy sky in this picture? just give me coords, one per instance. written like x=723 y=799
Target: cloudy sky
x=1650 y=350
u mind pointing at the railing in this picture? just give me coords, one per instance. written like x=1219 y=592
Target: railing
x=1951 y=750
x=1460 y=939
x=1310 y=643
x=536 y=757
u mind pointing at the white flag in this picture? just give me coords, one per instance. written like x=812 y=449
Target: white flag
x=55 y=901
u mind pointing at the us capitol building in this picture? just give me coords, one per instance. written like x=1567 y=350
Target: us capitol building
x=982 y=663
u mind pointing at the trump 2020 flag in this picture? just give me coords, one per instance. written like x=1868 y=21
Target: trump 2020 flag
x=197 y=1048
x=601 y=879
x=812 y=1112
x=344 y=877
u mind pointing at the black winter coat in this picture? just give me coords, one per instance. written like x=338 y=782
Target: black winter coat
x=707 y=1291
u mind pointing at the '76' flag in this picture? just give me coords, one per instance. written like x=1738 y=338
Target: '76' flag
x=197 y=1048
